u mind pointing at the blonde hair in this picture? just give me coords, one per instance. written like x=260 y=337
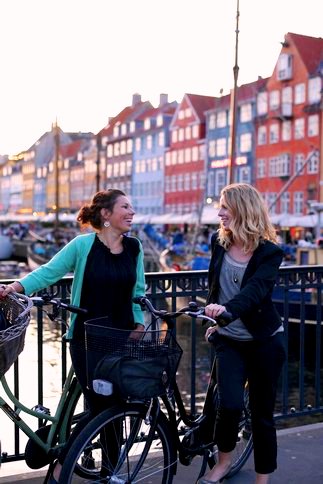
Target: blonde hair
x=250 y=220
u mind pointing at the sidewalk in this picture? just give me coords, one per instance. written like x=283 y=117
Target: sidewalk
x=300 y=461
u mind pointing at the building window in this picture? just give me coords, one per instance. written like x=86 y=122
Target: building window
x=188 y=113
x=261 y=168
x=273 y=133
x=195 y=131
x=245 y=174
x=284 y=67
x=116 y=131
x=212 y=121
x=159 y=120
x=262 y=135
x=180 y=182
x=314 y=90
x=188 y=132
x=271 y=198
x=245 y=113
x=287 y=131
x=132 y=126
x=123 y=129
x=313 y=164
x=220 y=181
x=262 y=103
x=149 y=142
x=300 y=93
x=299 y=163
x=186 y=181
x=161 y=138
x=221 y=147
x=181 y=114
x=299 y=128
x=298 y=203
x=174 y=135
x=245 y=143
x=188 y=156
x=212 y=144
x=174 y=157
x=313 y=125
x=221 y=119
x=181 y=134
x=180 y=158
x=168 y=158
x=129 y=146
x=195 y=153
x=123 y=147
x=285 y=202
x=109 y=151
x=274 y=99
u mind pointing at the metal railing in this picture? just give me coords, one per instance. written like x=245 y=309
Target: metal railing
x=298 y=296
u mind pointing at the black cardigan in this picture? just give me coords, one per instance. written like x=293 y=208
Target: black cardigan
x=253 y=304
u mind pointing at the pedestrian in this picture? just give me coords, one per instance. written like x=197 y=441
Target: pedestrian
x=243 y=268
x=108 y=272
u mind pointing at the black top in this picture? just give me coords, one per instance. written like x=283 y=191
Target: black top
x=253 y=304
x=108 y=283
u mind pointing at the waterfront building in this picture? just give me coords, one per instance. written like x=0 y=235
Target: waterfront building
x=185 y=160
x=150 y=142
x=218 y=136
x=289 y=128
x=5 y=172
x=118 y=137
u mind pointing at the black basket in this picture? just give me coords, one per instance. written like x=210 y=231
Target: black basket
x=15 y=311
x=138 y=368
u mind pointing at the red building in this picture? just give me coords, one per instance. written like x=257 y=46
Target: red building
x=289 y=128
x=185 y=162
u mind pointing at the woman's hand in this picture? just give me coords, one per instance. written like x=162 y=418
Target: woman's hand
x=7 y=289
x=213 y=310
x=137 y=333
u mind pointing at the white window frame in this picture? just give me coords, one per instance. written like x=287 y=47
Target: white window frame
x=313 y=125
x=262 y=135
x=261 y=167
x=299 y=93
x=245 y=112
x=314 y=90
x=299 y=128
x=246 y=143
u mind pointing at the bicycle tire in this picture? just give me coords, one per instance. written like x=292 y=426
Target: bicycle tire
x=139 y=453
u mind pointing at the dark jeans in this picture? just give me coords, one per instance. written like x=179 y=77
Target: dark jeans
x=259 y=362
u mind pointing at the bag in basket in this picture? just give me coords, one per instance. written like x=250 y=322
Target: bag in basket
x=136 y=378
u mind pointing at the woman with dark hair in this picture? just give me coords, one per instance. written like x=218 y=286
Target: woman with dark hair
x=243 y=269
x=108 y=272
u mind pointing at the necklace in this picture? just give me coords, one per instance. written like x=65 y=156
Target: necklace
x=235 y=277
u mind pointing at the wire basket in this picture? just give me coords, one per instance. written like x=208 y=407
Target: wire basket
x=15 y=309
x=140 y=368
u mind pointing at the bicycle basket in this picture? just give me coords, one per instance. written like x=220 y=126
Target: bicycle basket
x=137 y=368
x=16 y=312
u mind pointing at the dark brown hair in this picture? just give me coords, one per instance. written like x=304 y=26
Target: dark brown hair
x=90 y=214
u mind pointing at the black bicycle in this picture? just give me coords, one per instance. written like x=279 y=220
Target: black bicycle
x=141 y=438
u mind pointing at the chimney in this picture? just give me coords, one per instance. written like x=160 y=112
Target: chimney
x=163 y=99
x=136 y=99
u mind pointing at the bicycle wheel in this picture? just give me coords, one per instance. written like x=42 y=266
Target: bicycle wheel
x=123 y=448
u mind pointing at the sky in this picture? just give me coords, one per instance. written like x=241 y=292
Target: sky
x=80 y=61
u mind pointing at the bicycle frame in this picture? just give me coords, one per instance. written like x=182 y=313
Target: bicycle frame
x=59 y=421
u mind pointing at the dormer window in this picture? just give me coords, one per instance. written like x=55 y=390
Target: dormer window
x=147 y=123
x=159 y=120
x=284 y=67
x=123 y=129
x=116 y=131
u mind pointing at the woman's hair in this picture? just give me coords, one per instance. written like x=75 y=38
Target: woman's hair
x=250 y=220
x=90 y=214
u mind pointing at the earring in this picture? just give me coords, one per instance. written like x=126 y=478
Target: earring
x=106 y=224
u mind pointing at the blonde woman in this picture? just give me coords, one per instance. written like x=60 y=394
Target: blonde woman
x=242 y=273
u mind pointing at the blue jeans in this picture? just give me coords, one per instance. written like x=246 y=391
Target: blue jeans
x=260 y=362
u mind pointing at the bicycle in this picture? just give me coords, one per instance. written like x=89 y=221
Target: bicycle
x=44 y=444
x=141 y=439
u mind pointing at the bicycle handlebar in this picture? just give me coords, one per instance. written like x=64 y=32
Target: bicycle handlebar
x=41 y=301
x=192 y=310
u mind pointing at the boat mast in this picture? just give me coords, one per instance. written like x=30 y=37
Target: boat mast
x=56 y=162
x=233 y=105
